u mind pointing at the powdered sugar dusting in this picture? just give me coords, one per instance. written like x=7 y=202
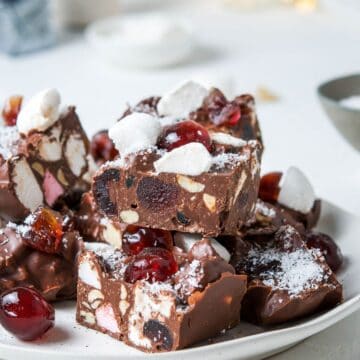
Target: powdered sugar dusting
x=190 y=276
x=263 y=209
x=294 y=271
x=228 y=160
x=8 y=137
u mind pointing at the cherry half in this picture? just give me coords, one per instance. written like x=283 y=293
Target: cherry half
x=269 y=187
x=136 y=238
x=25 y=313
x=328 y=247
x=220 y=110
x=102 y=148
x=151 y=264
x=183 y=133
x=46 y=231
x=11 y=109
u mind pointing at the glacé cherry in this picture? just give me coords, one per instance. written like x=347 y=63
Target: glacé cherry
x=327 y=246
x=151 y=264
x=220 y=110
x=269 y=187
x=102 y=147
x=11 y=109
x=136 y=238
x=25 y=313
x=45 y=232
x=183 y=133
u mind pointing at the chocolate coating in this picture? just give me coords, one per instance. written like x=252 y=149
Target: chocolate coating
x=286 y=279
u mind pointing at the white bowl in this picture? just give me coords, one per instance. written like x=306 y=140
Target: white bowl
x=151 y=40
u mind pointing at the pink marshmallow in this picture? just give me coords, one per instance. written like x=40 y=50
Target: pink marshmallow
x=52 y=189
x=105 y=318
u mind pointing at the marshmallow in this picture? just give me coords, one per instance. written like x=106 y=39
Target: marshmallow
x=135 y=132
x=190 y=159
x=186 y=241
x=296 y=192
x=226 y=139
x=181 y=101
x=40 y=112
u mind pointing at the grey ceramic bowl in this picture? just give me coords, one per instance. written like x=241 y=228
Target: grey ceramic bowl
x=345 y=119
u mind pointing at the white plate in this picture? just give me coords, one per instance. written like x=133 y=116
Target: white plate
x=71 y=341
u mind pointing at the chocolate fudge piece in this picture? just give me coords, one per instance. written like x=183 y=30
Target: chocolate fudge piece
x=94 y=226
x=30 y=260
x=219 y=201
x=200 y=300
x=286 y=279
x=42 y=167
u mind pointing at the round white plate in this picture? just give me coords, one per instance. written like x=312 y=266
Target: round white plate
x=71 y=341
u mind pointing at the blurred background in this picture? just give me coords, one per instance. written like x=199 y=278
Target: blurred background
x=104 y=54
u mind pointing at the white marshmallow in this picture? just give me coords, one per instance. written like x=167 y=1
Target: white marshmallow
x=296 y=192
x=182 y=100
x=89 y=275
x=40 y=112
x=226 y=139
x=186 y=241
x=190 y=159
x=135 y=132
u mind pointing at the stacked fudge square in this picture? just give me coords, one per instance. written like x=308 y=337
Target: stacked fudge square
x=161 y=227
x=186 y=244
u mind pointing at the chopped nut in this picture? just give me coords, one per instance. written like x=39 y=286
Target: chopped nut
x=61 y=177
x=38 y=168
x=239 y=186
x=189 y=184
x=123 y=306
x=85 y=304
x=263 y=94
x=88 y=317
x=210 y=202
x=129 y=216
x=95 y=298
x=123 y=293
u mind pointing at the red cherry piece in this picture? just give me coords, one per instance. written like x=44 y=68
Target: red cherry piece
x=45 y=233
x=102 y=148
x=25 y=313
x=183 y=133
x=11 y=109
x=220 y=110
x=151 y=264
x=327 y=246
x=136 y=238
x=269 y=187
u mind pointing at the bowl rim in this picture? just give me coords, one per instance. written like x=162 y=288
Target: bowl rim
x=332 y=101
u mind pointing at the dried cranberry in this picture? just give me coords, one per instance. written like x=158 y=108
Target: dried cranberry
x=327 y=246
x=159 y=334
x=45 y=233
x=136 y=238
x=102 y=147
x=156 y=195
x=151 y=264
x=11 y=109
x=25 y=313
x=269 y=187
x=183 y=133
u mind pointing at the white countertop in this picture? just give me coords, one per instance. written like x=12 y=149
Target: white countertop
x=288 y=52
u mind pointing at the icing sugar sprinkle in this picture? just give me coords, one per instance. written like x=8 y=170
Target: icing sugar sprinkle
x=228 y=159
x=263 y=209
x=294 y=271
x=8 y=137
